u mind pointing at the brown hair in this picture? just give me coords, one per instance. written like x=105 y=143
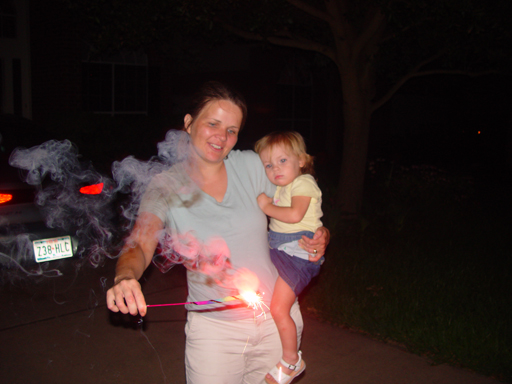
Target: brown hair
x=291 y=140
x=214 y=91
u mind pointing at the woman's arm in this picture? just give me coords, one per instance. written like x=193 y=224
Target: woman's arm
x=291 y=215
x=319 y=243
x=126 y=294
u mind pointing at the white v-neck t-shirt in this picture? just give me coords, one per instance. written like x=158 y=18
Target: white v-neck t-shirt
x=237 y=219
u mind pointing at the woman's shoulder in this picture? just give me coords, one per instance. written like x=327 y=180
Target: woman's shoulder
x=246 y=154
x=172 y=180
x=249 y=169
x=245 y=157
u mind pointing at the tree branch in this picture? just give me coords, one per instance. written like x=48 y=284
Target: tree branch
x=310 y=10
x=369 y=33
x=412 y=73
x=390 y=94
x=292 y=42
x=304 y=44
x=340 y=27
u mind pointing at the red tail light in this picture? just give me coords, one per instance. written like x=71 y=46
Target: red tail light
x=94 y=189
x=5 y=197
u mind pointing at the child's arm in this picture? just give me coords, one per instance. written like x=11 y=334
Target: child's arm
x=290 y=215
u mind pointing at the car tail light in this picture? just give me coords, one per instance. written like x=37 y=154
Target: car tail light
x=94 y=189
x=5 y=197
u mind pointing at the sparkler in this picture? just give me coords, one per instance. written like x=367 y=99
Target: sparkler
x=245 y=282
x=253 y=300
x=205 y=302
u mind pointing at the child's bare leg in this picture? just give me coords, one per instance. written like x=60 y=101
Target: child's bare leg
x=280 y=306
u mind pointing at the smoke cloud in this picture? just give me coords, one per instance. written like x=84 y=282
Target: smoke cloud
x=56 y=170
x=211 y=258
x=132 y=176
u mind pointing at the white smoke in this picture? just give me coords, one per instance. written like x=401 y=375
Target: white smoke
x=58 y=174
x=132 y=176
x=55 y=168
x=101 y=221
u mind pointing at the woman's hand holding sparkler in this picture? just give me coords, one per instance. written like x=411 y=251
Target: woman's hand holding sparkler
x=126 y=296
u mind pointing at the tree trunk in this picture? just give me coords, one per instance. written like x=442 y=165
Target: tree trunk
x=356 y=117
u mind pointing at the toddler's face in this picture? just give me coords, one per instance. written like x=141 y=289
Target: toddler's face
x=281 y=165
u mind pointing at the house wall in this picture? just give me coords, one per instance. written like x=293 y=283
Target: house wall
x=254 y=71
x=15 y=88
x=56 y=61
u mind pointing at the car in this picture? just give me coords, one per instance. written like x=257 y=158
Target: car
x=46 y=219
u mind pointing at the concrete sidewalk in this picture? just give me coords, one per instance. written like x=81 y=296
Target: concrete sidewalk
x=53 y=333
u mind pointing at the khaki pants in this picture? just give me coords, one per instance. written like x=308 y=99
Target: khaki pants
x=233 y=352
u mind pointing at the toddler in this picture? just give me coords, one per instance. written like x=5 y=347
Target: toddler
x=294 y=211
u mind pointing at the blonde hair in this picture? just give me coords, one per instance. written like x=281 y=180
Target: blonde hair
x=292 y=141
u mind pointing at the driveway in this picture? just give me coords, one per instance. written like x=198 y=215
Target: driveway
x=58 y=330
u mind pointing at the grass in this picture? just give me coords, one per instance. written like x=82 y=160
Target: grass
x=424 y=268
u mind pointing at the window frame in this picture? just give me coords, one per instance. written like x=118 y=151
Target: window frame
x=125 y=60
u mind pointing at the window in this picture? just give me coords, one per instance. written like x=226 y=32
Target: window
x=7 y=19
x=114 y=88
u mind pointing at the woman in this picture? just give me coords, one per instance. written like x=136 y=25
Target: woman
x=225 y=343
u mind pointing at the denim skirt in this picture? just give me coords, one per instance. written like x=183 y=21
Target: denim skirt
x=296 y=272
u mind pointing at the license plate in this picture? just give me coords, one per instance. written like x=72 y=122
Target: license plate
x=52 y=249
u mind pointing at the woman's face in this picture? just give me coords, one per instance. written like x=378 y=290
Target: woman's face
x=214 y=132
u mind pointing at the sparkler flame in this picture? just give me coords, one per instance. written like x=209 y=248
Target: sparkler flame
x=247 y=284
x=254 y=300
